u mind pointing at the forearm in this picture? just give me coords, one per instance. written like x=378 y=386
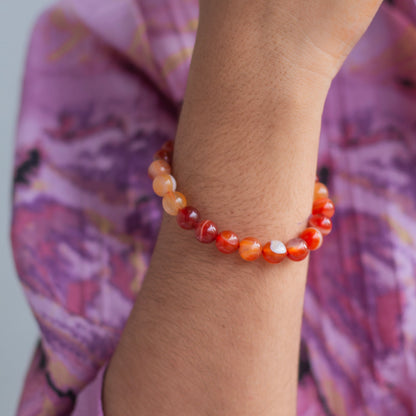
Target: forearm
x=210 y=333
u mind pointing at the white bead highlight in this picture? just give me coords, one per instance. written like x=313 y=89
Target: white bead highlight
x=174 y=182
x=277 y=247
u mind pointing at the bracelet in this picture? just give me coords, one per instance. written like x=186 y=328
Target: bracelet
x=250 y=248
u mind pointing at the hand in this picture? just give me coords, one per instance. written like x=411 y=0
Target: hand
x=316 y=35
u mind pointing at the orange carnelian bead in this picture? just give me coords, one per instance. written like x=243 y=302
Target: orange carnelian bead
x=158 y=167
x=163 y=184
x=297 y=249
x=323 y=206
x=274 y=251
x=173 y=201
x=322 y=223
x=313 y=238
x=250 y=248
x=206 y=231
x=227 y=242
x=321 y=191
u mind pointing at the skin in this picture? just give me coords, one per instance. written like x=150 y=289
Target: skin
x=210 y=334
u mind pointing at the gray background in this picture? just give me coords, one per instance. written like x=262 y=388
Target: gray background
x=18 y=330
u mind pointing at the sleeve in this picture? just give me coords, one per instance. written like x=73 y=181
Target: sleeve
x=95 y=108
x=89 y=401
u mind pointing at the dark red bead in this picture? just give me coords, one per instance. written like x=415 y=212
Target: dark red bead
x=188 y=217
x=168 y=146
x=164 y=155
x=206 y=231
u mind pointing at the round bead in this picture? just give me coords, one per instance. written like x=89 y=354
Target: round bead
x=227 y=242
x=321 y=191
x=173 y=201
x=188 y=217
x=168 y=146
x=274 y=251
x=323 y=206
x=297 y=249
x=206 y=231
x=322 y=223
x=313 y=238
x=163 y=184
x=163 y=155
x=158 y=167
x=250 y=248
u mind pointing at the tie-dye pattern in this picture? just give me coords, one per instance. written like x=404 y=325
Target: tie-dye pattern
x=103 y=89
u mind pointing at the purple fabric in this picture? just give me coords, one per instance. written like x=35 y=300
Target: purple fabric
x=103 y=89
x=89 y=401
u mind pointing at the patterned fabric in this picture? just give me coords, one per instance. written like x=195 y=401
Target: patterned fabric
x=103 y=90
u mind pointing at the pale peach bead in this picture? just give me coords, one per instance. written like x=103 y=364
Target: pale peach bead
x=158 y=167
x=173 y=201
x=320 y=191
x=163 y=184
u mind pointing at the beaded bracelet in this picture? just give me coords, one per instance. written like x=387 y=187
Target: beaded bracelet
x=250 y=248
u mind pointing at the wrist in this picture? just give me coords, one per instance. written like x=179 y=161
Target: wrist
x=272 y=37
